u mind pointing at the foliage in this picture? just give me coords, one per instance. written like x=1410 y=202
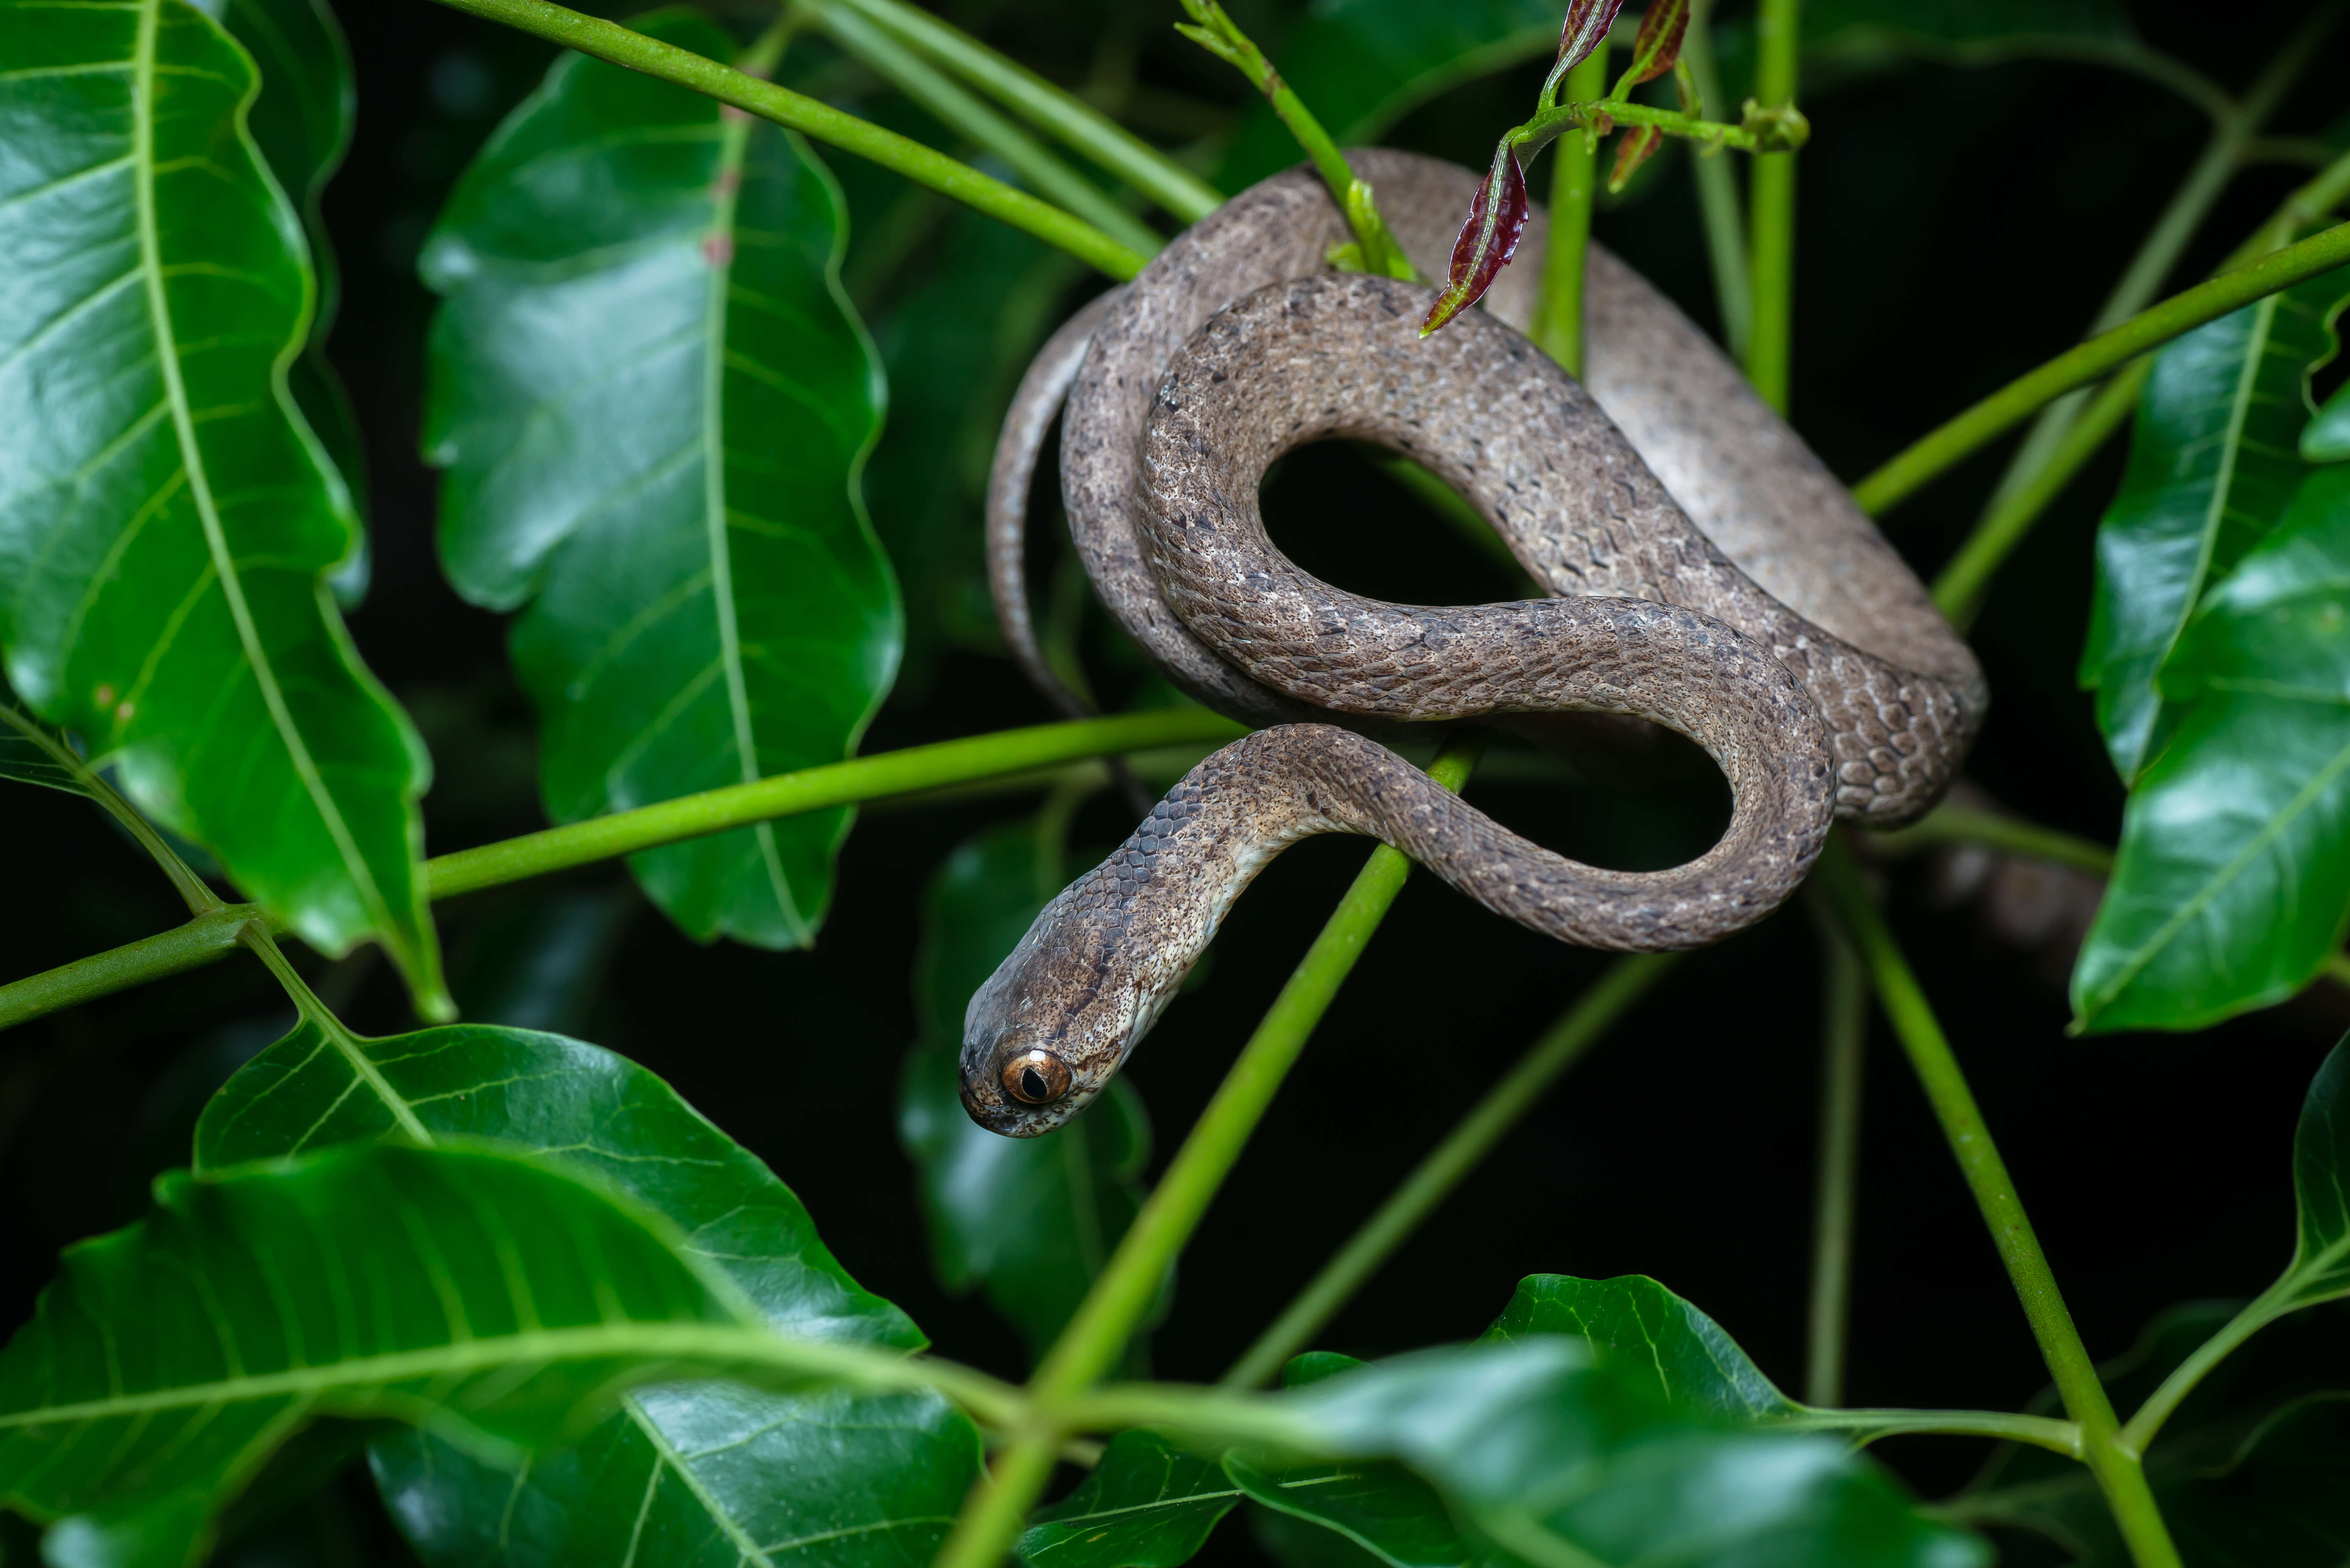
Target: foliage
x=554 y=1312
x=653 y=402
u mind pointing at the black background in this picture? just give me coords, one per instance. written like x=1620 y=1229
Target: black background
x=1956 y=227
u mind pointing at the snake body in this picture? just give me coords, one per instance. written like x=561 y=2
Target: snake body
x=1709 y=574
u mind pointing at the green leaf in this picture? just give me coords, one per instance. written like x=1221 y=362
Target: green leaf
x=2212 y=467
x=1560 y=1461
x=1377 y=1505
x=856 y=1482
x=301 y=125
x=166 y=515
x=1639 y=1323
x=31 y=752
x=1030 y=1221
x=2232 y=879
x=503 y=1301
x=653 y=403
x=1148 y=1504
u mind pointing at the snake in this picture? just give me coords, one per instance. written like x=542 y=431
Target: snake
x=1703 y=570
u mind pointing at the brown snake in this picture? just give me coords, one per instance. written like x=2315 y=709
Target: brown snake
x=1709 y=573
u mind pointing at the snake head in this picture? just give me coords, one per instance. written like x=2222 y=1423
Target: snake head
x=1050 y=1028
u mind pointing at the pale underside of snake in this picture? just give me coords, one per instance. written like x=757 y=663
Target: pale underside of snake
x=1709 y=574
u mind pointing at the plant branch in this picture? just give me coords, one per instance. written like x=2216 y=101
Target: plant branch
x=2258 y=1314
x=1960 y=437
x=796 y=112
x=1097 y=1335
x=1558 y=319
x=2041 y=1431
x=1376 y=250
x=1047 y=107
x=1717 y=194
x=1844 y=1039
x=1773 y=131
x=1444 y=1167
x=2119 y=1475
x=1948 y=824
x=960 y=112
x=913 y=771
x=1778 y=39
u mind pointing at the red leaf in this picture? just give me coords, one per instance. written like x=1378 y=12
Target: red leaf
x=1488 y=240
x=1639 y=144
x=1588 y=22
x=1659 y=41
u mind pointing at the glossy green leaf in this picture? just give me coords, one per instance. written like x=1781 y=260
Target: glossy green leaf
x=2248 y=1473
x=1149 y=1503
x=2212 y=467
x=301 y=125
x=1029 y=1221
x=2232 y=880
x=166 y=515
x=706 y=1472
x=1641 y=1324
x=504 y=1301
x=653 y=403
x=1558 y=1458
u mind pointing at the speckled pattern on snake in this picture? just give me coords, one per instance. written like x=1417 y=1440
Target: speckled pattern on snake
x=1708 y=573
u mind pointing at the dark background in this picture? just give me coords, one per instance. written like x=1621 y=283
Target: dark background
x=1956 y=227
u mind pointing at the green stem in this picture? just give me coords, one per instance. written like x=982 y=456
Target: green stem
x=1965 y=582
x=1221 y=37
x=255 y=939
x=1844 y=1039
x=2041 y=1431
x=1048 y=108
x=1778 y=36
x=1097 y=1335
x=915 y=770
x=2119 y=1475
x=1436 y=1176
x=1781 y=132
x=1557 y=324
x=924 y=165
x=2258 y=1314
x=1948 y=824
x=2091 y=361
x=956 y=109
x=815 y=789
x=1717 y=194
x=207 y=939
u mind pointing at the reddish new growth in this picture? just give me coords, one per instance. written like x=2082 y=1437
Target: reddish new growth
x=1588 y=22
x=1487 y=240
x=1658 y=44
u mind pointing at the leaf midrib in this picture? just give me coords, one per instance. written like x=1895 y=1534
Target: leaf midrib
x=150 y=252
x=2270 y=831
x=731 y=155
x=734 y=1344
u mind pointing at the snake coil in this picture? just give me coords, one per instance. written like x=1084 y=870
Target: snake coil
x=1707 y=574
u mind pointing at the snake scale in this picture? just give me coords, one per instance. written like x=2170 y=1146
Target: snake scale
x=1707 y=574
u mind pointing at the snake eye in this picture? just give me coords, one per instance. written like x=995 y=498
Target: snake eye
x=1035 y=1077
